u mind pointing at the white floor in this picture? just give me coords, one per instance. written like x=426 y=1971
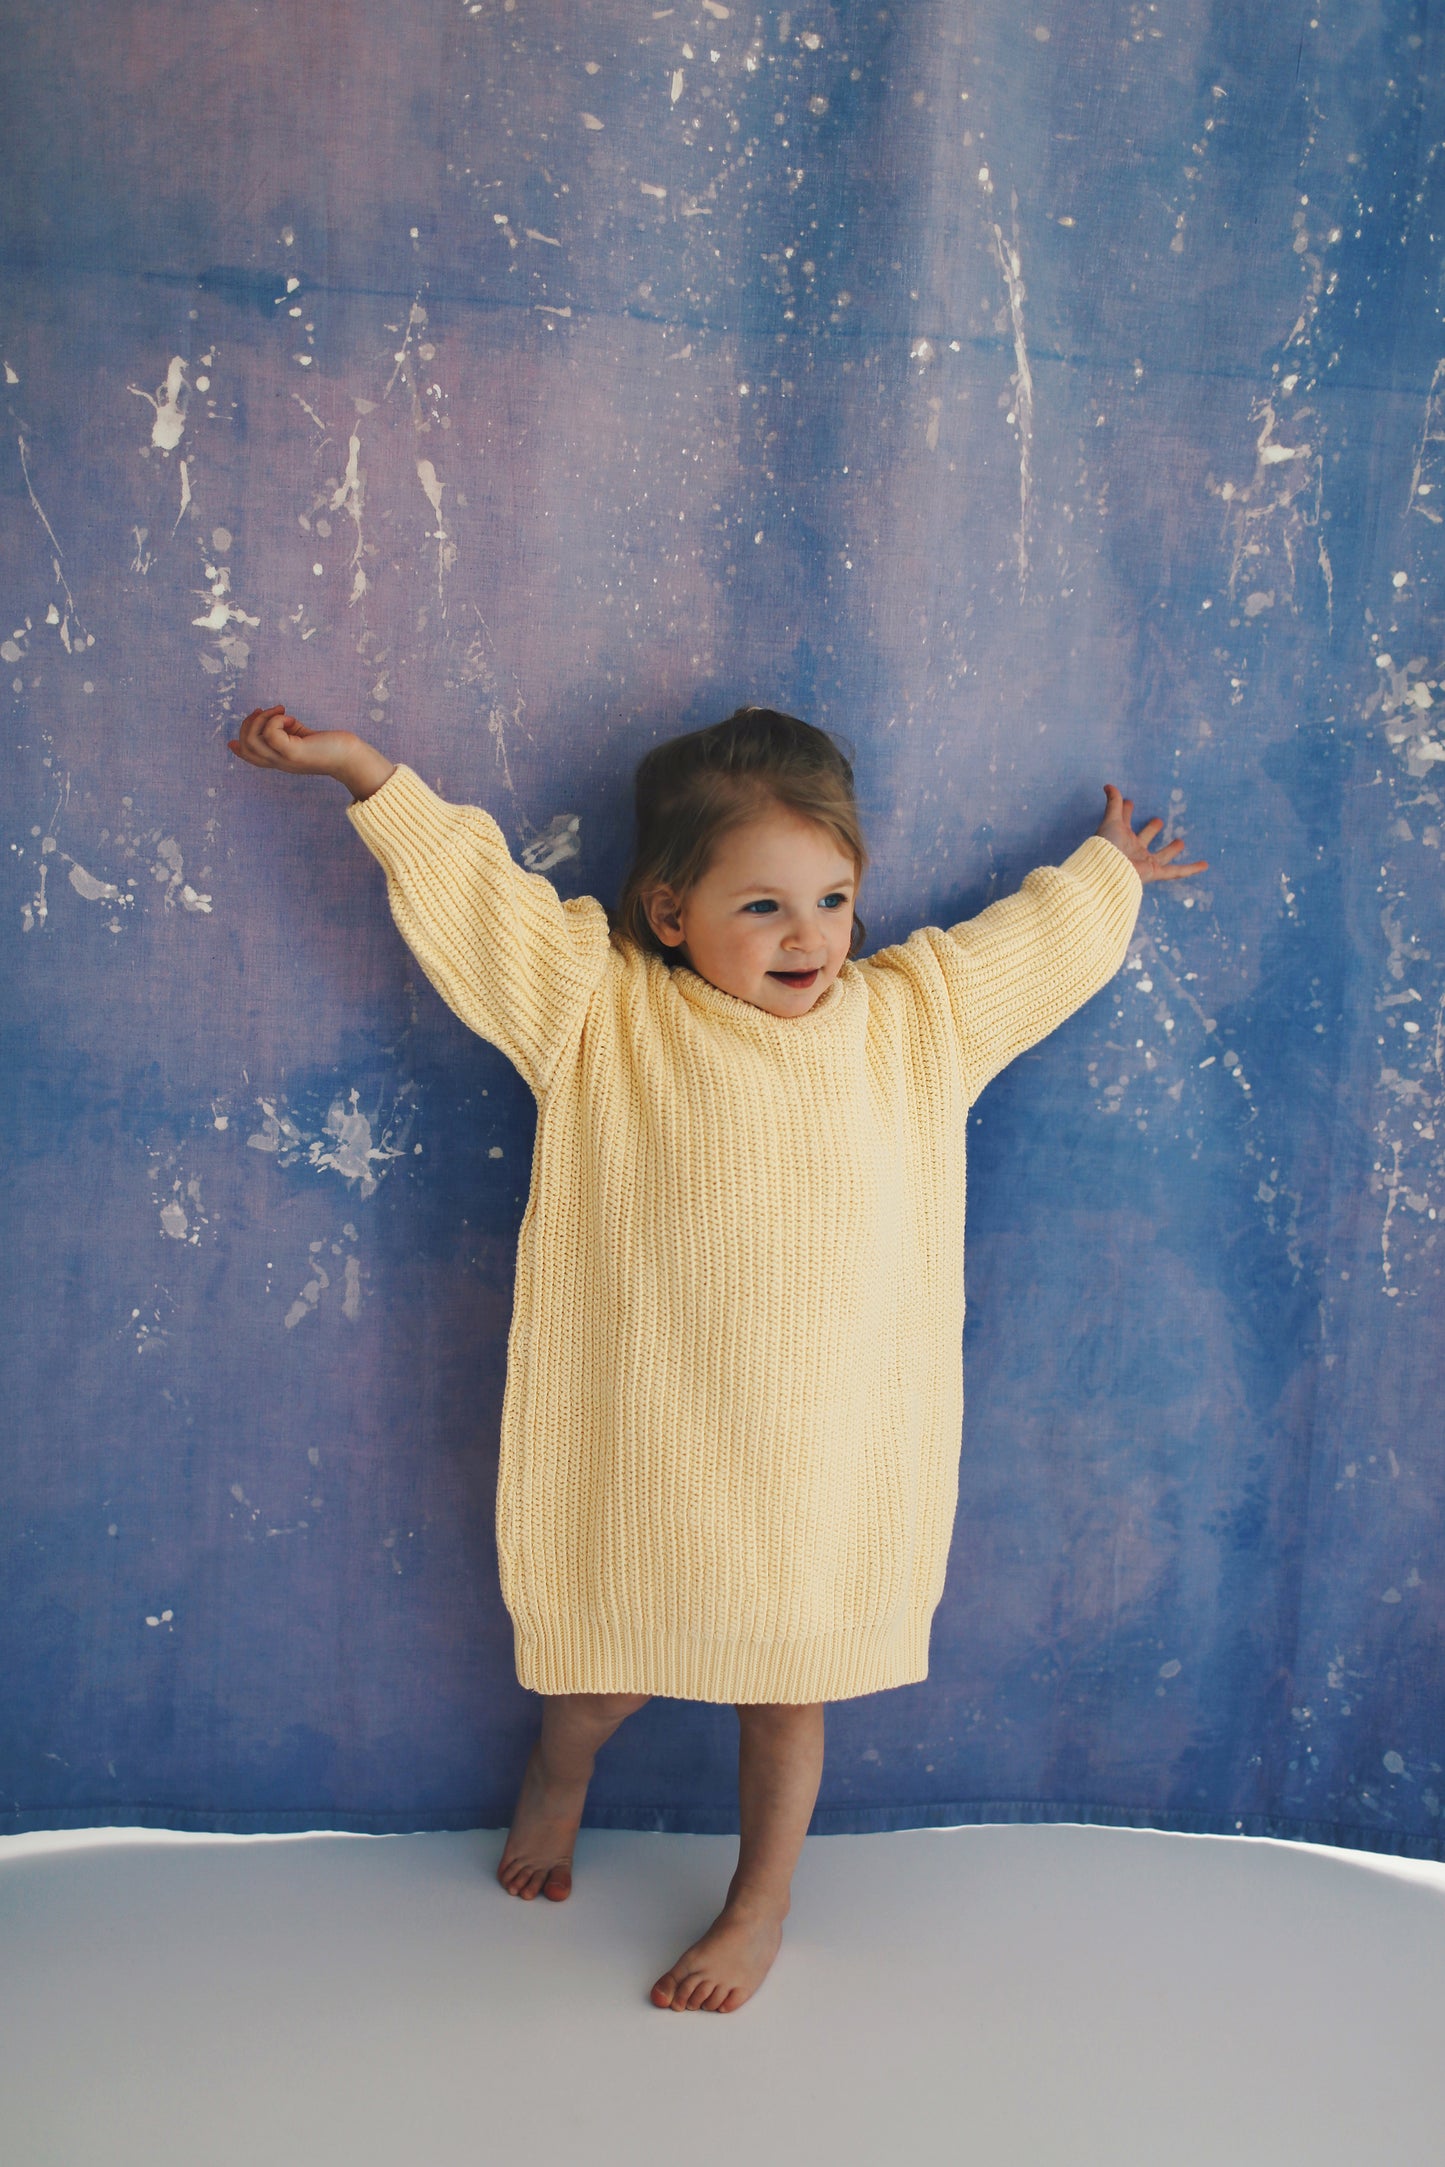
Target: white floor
x=1007 y=1997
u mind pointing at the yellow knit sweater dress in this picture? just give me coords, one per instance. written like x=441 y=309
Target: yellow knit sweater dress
x=734 y=1398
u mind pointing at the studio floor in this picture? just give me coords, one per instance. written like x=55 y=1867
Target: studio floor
x=1040 y=1996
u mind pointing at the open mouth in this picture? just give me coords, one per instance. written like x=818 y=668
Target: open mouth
x=794 y=978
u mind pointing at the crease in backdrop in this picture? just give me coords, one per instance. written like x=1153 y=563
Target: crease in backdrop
x=1033 y=399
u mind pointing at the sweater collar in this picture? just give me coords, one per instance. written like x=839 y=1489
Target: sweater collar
x=701 y=993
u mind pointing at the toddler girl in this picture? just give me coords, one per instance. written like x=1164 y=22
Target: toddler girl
x=734 y=1398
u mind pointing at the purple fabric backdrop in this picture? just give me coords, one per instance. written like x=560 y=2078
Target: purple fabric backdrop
x=1033 y=399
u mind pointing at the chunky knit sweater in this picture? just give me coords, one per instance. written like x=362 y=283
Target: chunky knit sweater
x=734 y=1398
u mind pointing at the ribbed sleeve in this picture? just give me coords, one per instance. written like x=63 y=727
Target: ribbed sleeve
x=514 y=961
x=987 y=989
x=1017 y=970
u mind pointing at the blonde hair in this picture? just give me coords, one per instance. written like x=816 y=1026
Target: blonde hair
x=691 y=791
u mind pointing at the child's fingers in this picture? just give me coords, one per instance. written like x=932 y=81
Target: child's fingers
x=245 y=743
x=1154 y=869
x=271 y=739
x=290 y=744
x=256 y=720
x=279 y=731
x=255 y=723
x=264 y=739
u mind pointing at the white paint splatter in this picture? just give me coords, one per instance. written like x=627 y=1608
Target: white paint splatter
x=83 y=638
x=1011 y=266
x=310 y=1295
x=416 y=317
x=94 y=891
x=1406 y=703
x=346 y=1145
x=1432 y=431
x=169 y=867
x=559 y=840
x=426 y=474
x=349 y=498
x=475 y=670
x=169 y=424
x=35 y=912
x=1393 y=1186
x=309 y=1299
x=223 y=613
x=277 y=1133
x=1272 y=511
x=352 y=1150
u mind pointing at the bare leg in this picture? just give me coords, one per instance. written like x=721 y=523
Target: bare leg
x=538 y=1852
x=780 y=1766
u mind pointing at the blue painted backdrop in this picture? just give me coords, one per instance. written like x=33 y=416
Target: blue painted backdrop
x=1033 y=398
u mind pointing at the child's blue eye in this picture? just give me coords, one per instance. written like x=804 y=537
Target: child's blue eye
x=766 y=902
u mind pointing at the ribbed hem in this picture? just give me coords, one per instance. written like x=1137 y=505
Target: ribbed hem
x=583 y=1657
x=1121 y=887
x=404 y=807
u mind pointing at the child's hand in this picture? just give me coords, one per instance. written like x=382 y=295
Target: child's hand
x=1117 y=827
x=271 y=738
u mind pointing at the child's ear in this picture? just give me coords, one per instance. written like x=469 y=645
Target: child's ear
x=662 y=916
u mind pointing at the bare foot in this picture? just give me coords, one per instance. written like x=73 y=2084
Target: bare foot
x=538 y=1854
x=729 y=1964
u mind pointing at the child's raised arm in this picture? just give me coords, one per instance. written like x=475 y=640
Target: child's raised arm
x=514 y=961
x=269 y=737
x=1003 y=980
x=1024 y=965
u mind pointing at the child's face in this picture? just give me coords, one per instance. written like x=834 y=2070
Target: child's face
x=778 y=896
